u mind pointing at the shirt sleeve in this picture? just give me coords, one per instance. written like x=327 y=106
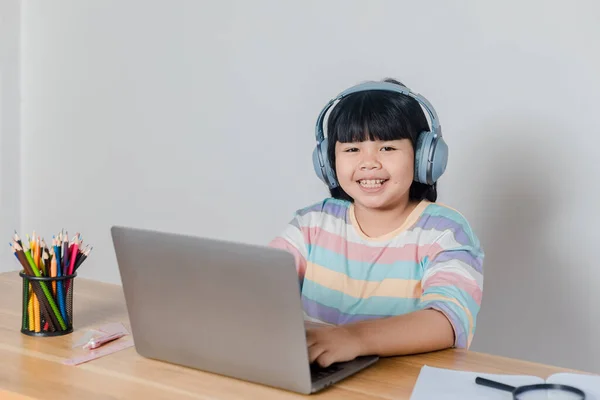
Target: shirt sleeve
x=453 y=282
x=292 y=240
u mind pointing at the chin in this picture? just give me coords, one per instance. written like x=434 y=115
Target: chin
x=373 y=203
x=381 y=202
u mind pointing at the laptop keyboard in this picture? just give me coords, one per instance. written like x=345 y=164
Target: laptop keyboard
x=317 y=372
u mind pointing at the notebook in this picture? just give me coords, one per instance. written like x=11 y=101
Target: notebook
x=447 y=384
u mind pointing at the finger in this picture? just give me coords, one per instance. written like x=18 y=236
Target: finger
x=325 y=359
x=314 y=352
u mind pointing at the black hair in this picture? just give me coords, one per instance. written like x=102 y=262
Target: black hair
x=377 y=115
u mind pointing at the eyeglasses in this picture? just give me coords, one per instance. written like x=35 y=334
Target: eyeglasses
x=535 y=392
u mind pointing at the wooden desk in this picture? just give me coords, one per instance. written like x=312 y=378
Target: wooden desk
x=31 y=367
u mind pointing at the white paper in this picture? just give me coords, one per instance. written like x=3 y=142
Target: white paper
x=447 y=384
x=590 y=384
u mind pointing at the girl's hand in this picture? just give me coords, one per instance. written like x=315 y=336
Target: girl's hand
x=331 y=344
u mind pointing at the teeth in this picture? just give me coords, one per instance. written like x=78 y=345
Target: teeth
x=371 y=183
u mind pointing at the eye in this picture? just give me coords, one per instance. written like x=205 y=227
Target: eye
x=388 y=148
x=351 y=150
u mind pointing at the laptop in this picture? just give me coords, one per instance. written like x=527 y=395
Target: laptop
x=228 y=308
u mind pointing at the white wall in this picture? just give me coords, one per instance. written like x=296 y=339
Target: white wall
x=10 y=190
x=198 y=117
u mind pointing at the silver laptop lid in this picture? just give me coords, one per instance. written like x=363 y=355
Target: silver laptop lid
x=229 y=308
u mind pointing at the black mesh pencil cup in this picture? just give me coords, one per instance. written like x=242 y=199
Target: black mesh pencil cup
x=47 y=305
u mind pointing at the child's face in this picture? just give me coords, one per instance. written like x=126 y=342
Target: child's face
x=376 y=174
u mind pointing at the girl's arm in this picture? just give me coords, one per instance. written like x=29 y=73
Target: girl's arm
x=416 y=332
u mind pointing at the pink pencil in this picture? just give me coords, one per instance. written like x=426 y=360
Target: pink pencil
x=73 y=255
x=72 y=258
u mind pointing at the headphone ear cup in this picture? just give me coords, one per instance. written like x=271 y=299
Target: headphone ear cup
x=424 y=142
x=329 y=173
x=440 y=159
x=317 y=164
x=325 y=173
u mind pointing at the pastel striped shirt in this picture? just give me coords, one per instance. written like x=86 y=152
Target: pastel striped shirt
x=434 y=260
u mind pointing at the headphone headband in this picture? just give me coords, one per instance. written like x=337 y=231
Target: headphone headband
x=384 y=86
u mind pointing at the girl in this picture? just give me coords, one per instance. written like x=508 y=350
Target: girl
x=385 y=267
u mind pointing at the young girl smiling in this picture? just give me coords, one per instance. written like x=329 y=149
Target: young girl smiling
x=385 y=268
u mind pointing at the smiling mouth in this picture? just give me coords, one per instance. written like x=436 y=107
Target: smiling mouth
x=371 y=183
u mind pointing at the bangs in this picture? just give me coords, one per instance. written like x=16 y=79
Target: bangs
x=368 y=116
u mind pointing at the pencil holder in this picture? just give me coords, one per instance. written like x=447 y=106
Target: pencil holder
x=47 y=305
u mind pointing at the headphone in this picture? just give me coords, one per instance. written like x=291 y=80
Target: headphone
x=431 y=153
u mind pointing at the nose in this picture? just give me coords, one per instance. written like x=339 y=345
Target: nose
x=369 y=161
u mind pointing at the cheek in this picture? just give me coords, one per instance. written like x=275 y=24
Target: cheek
x=404 y=171
x=344 y=170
